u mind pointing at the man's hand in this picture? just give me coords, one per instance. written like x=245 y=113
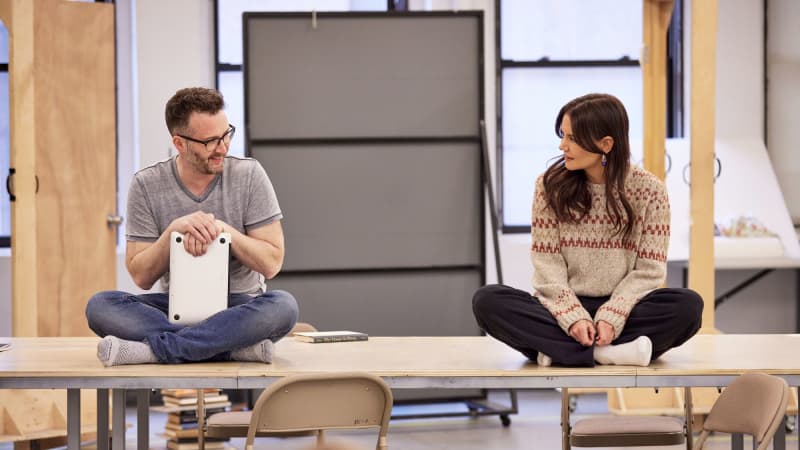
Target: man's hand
x=583 y=331
x=199 y=229
x=605 y=333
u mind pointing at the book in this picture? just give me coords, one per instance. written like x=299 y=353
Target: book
x=182 y=418
x=181 y=426
x=330 y=336
x=190 y=410
x=210 y=445
x=182 y=393
x=181 y=401
x=180 y=434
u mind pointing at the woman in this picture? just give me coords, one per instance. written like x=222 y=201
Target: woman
x=600 y=233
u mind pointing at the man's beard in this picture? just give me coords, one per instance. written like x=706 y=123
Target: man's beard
x=203 y=165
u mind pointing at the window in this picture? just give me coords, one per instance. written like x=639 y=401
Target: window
x=230 y=79
x=5 y=205
x=551 y=51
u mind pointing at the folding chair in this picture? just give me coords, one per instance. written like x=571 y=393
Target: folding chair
x=754 y=404
x=626 y=431
x=312 y=403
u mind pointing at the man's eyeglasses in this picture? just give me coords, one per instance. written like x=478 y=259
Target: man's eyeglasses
x=215 y=142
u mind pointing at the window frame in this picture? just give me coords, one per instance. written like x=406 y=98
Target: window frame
x=675 y=91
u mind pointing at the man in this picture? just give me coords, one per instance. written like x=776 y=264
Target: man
x=200 y=192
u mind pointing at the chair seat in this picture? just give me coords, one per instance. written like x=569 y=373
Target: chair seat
x=234 y=424
x=626 y=431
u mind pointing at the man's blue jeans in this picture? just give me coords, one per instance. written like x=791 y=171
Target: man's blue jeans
x=247 y=321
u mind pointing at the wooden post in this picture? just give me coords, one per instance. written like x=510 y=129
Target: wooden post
x=17 y=15
x=703 y=90
x=655 y=23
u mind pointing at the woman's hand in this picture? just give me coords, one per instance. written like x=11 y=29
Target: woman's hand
x=583 y=331
x=605 y=333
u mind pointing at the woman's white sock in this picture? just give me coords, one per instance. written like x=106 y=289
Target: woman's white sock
x=634 y=353
x=543 y=360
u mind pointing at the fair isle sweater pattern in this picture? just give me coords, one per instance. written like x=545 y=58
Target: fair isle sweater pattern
x=588 y=259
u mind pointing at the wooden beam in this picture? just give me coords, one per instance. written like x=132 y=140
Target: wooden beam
x=703 y=90
x=655 y=22
x=18 y=16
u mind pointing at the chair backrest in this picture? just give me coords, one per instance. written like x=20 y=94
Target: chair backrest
x=323 y=401
x=754 y=403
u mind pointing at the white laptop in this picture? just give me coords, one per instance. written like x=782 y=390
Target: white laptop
x=198 y=285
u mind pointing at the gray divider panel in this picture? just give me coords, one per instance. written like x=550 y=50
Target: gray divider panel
x=387 y=303
x=378 y=206
x=362 y=75
x=368 y=126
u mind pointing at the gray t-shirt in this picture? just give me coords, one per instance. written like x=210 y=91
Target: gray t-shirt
x=241 y=196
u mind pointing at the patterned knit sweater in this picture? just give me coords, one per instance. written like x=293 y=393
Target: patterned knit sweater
x=587 y=259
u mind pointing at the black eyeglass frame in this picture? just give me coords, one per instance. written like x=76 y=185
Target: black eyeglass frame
x=219 y=140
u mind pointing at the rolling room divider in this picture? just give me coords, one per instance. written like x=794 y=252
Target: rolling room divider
x=368 y=126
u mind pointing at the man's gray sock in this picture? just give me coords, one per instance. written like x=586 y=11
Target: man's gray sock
x=260 y=352
x=113 y=351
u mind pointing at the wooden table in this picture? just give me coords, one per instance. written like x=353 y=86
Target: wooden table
x=404 y=362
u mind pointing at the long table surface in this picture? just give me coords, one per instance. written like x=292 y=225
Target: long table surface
x=404 y=362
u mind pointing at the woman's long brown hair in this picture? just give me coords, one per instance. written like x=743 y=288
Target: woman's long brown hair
x=593 y=117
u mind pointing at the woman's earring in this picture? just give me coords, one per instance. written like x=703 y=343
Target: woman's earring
x=603 y=160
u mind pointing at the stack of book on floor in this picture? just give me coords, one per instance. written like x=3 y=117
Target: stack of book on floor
x=181 y=408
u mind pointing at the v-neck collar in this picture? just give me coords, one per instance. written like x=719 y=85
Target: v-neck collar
x=186 y=190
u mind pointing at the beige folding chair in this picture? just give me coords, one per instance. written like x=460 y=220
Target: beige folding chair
x=754 y=404
x=626 y=431
x=235 y=423
x=315 y=402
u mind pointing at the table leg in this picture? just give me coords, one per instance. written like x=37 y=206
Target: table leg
x=73 y=419
x=779 y=440
x=118 y=419
x=737 y=441
x=143 y=419
x=102 y=419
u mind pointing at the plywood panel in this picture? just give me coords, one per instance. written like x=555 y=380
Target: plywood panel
x=36 y=414
x=76 y=162
x=63 y=147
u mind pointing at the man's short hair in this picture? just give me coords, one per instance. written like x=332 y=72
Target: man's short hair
x=189 y=100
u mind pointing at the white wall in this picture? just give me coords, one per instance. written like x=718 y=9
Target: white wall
x=175 y=49
x=783 y=97
x=740 y=69
x=172 y=48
